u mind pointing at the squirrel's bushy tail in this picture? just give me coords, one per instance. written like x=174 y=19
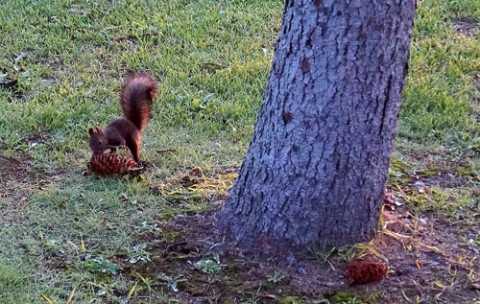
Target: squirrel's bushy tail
x=136 y=98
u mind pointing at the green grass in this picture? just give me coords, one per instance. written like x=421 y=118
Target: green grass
x=77 y=55
x=212 y=59
x=442 y=91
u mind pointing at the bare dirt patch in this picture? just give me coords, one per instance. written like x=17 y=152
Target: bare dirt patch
x=17 y=179
x=15 y=170
x=427 y=260
x=430 y=259
x=433 y=173
x=466 y=25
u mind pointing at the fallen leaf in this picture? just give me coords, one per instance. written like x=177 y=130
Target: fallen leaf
x=475 y=286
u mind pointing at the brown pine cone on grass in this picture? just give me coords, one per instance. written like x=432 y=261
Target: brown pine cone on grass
x=111 y=164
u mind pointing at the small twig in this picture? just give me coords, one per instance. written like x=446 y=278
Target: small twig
x=10 y=159
x=166 y=150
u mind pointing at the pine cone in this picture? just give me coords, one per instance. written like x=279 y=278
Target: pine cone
x=366 y=271
x=111 y=164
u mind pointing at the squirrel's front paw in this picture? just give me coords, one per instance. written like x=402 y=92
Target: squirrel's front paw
x=123 y=147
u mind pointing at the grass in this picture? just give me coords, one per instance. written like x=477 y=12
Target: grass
x=442 y=90
x=60 y=229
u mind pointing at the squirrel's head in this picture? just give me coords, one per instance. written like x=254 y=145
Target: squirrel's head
x=98 y=141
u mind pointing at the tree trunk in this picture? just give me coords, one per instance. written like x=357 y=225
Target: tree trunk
x=317 y=166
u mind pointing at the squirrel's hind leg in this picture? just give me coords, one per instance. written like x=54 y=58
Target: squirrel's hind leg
x=133 y=143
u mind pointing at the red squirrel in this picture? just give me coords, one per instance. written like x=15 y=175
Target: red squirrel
x=136 y=98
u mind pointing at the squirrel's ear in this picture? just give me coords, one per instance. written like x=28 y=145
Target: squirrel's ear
x=95 y=130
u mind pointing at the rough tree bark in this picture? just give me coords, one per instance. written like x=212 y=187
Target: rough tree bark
x=317 y=166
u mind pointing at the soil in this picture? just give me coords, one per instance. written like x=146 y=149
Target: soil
x=15 y=171
x=17 y=179
x=427 y=263
x=466 y=25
